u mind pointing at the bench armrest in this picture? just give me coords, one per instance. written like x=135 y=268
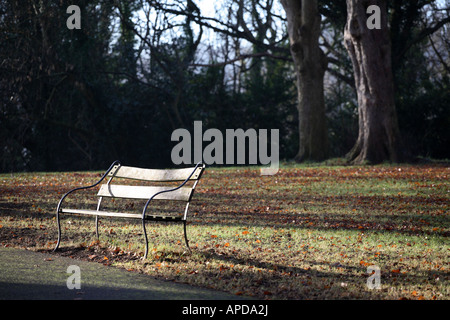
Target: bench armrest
x=170 y=190
x=87 y=187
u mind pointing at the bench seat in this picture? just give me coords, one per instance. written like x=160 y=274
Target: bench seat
x=122 y=215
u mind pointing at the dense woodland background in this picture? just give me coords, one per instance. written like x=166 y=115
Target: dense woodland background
x=137 y=70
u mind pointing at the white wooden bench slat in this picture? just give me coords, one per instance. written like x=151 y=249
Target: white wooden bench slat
x=154 y=174
x=144 y=192
x=103 y=213
x=120 y=214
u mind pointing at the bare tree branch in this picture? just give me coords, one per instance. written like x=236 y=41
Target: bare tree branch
x=242 y=57
x=446 y=67
x=224 y=28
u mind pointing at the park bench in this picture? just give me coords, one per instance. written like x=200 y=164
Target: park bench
x=183 y=192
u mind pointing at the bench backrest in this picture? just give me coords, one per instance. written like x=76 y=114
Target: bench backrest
x=156 y=175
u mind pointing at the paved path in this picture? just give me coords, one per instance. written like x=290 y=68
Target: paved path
x=38 y=276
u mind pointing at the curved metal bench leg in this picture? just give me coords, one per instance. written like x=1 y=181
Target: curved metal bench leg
x=185 y=236
x=96 y=228
x=59 y=231
x=146 y=239
x=98 y=209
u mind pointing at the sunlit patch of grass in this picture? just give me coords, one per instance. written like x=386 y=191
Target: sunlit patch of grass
x=309 y=232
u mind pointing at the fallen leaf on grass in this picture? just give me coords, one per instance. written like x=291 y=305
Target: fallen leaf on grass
x=116 y=250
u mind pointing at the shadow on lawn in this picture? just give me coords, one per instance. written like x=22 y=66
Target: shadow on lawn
x=377 y=213
x=345 y=281
x=304 y=211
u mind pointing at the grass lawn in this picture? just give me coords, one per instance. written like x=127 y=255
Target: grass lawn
x=309 y=232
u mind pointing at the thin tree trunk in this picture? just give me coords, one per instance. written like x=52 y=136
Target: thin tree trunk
x=370 y=52
x=310 y=64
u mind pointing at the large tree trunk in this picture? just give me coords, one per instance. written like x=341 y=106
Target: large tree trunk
x=310 y=64
x=370 y=52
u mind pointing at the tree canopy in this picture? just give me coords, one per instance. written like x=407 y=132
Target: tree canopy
x=116 y=88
